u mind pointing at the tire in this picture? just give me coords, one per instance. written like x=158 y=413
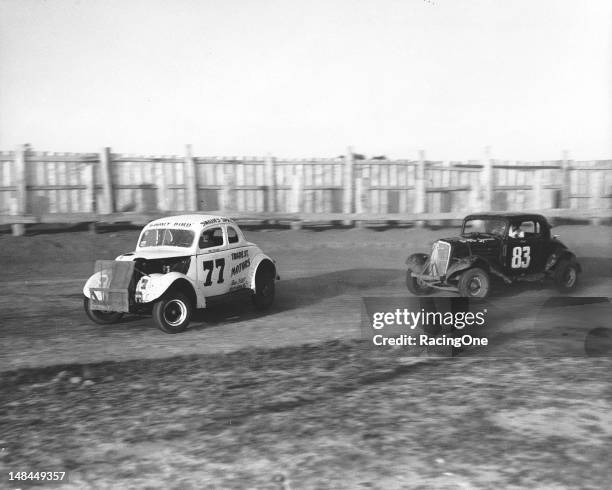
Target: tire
x=101 y=317
x=474 y=283
x=566 y=275
x=416 y=286
x=264 y=289
x=172 y=313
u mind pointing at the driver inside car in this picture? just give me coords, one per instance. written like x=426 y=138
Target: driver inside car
x=516 y=232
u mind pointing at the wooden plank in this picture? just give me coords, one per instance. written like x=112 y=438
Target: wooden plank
x=66 y=157
x=107 y=180
x=191 y=180
x=20 y=184
x=347 y=198
x=538 y=198
x=565 y=180
x=16 y=221
x=270 y=184
x=228 y=193
x=296 y=190
x=160 y=184
x=487 y=181
x=420 y=205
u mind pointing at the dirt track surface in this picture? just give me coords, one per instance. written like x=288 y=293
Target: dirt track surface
x=324 y=275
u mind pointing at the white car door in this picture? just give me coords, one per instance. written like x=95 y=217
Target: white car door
x=212 y=261
x=239 y=259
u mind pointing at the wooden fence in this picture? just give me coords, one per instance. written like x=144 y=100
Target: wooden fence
x=105 y=186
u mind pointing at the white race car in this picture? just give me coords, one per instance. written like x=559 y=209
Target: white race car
x=180 y=263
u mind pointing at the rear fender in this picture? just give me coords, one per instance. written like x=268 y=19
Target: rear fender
x=260 y=260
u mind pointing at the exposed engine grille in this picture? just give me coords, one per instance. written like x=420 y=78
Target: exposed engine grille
x=440 y=255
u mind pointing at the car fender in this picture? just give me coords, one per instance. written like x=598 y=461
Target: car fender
x=96 y=280
x=416 y=262
x=257 y=261
x=463 y=264
x=557 y=255
x=153 y=286
x=475 y=261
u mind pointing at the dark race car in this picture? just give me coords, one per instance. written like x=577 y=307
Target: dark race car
x=511 y=246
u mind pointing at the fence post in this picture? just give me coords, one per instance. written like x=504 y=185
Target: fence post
x=487 y=183
x=107 y=181
x=90 y=183
x=191 y=181
x=347 y=201
x=566 y=189
x=270 y=185
x=420 y=194
x=19 y=205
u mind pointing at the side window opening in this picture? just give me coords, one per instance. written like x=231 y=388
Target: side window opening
x=524 y=229
x=530 y=228
x=232 y=235
x=212 y=237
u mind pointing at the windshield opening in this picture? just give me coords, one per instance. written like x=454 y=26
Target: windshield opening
x=169 y=237
x=474 y=227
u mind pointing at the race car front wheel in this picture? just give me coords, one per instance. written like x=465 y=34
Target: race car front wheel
x=172 y=313
x=474 y=283
x=100 y=317
x=566 y=275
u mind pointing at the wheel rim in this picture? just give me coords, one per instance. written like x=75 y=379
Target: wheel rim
x=175 y=312
x=570 y=277
x=474 y=286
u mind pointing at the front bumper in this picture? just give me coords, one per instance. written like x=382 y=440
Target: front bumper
x=437 y=282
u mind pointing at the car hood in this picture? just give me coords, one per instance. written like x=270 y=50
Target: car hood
x=470 y=240
x=462 y=246
x=156 y=253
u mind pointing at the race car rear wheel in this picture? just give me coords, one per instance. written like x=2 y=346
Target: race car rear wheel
x=172 y=313
x=416 y=286
x=566 y=275
x=474 y=283
x=101 y=317
x=264 y=289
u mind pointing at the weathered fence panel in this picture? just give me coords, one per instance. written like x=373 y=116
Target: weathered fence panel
x=75 y=186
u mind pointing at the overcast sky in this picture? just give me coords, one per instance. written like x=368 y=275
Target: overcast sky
x=310 y=77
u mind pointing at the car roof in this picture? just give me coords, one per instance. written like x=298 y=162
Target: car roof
x=511 y=216
x=192 y=219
